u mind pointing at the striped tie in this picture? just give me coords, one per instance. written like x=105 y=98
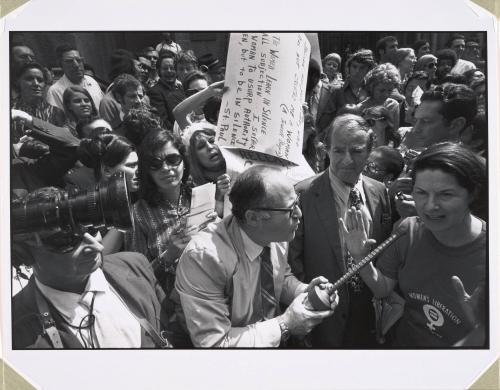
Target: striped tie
x=269 y=302
x=355 y=200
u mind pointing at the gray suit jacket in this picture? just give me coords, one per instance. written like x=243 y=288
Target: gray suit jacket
x=316 y=251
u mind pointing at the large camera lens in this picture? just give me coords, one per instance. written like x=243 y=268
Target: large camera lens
x=107 y=205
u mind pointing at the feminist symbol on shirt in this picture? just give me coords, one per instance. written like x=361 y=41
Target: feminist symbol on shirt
x=434 y=316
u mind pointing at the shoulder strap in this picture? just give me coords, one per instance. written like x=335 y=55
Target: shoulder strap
x=48 y=323
x=159 y=339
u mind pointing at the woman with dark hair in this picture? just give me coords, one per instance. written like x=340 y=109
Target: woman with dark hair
x=103 y=155
x=160 y=232
x=78 y=106
x=165 y=200
x=439 y=258
x=107 y=154
x=30 y=84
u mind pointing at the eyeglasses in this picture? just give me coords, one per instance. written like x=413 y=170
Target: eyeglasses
x=172 y=160
x=432 y=65
x=373 y=168
x=191 y=92
x=290 y=209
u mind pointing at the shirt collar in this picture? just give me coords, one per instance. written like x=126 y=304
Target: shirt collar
x=252 y=249
x=342 y=189
x=96 y=282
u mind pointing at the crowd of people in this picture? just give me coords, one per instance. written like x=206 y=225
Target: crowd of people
x=397 y=141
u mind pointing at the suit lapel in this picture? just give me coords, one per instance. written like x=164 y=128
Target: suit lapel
x=327 y=214
x=371 y=195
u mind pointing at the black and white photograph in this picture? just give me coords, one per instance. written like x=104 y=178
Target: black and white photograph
x=272 y=194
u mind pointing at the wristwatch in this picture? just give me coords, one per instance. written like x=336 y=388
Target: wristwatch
x=285 y=331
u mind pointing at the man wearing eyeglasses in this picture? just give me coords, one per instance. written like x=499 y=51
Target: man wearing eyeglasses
x=318 y=247
x=232 y=276
x=78 y=299
x=72 y=66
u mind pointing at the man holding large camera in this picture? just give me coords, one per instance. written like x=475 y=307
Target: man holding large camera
x=77 y=298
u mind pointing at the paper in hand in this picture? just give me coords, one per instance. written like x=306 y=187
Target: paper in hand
x=202 y=203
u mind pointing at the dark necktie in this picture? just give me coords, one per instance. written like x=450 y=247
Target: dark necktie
x=354 y=201
x=269 y=302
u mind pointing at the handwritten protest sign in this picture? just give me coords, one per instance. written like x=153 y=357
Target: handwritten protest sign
x=262 y=112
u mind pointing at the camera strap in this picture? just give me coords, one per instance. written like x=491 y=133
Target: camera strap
x=48 y=323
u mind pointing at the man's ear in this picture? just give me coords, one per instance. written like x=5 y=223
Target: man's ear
x=253 y=217
x=388 y=179
x=457 y=125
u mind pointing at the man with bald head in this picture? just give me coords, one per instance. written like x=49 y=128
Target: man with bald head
x=233 y=275
x=318 y=247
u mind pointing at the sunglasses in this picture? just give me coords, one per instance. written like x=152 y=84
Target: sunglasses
x=373 y=168
x=432 y=65
x=66 y=242
x=191 y=92
x=290 y=209
x=172 y=160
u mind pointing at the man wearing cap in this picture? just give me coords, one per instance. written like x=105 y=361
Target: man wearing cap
x=213 y=66
x=232 y=276
x=78 y=299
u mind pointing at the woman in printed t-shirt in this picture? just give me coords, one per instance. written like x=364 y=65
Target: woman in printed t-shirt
x=440 y=259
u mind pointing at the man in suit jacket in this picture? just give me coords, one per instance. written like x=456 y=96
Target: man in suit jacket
x=77 y=299
x=318 y=248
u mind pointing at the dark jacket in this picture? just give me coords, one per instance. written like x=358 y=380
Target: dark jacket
x=128 y=273
x=49 y=170
x=164 y=98
x=316 y=251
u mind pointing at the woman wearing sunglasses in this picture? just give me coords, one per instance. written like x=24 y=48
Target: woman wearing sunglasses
x=160 y=231
x=164 y=201
x=197 y=92
x=428 y=64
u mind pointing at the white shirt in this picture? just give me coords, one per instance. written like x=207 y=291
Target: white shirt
x=115 y=326
x=462 y=66
x=56 y=91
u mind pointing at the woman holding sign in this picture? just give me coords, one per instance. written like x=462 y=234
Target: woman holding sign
x=440 y=259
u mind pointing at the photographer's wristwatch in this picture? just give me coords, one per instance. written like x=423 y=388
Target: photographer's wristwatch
x=285 y=331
